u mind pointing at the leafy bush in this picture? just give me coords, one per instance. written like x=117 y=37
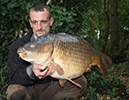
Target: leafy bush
x=64 y=19
x=97 y=84
x=3 y=82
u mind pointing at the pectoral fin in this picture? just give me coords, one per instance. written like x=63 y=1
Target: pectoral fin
x=57 y=68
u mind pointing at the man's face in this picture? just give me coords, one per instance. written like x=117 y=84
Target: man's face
x=40 y=22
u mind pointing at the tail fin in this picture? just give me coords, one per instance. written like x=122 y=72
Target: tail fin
x=102 y=61
x=105 y=62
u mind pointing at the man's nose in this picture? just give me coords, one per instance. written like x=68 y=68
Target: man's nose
x=39 y=25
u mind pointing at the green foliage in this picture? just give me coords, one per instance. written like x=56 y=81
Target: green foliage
x=63 y=19
x=97 y=84
x=3 y=82
x=124 y=68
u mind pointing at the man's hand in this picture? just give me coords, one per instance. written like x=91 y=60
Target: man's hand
x=40 y=72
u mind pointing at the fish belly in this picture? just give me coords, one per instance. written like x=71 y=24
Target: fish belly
x=57 y=76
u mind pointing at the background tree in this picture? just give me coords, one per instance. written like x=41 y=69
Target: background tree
x=114 y=29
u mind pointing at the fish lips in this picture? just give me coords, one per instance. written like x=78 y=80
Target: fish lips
x=21 y=52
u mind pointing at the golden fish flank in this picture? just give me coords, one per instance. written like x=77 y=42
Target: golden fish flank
x=69 y=55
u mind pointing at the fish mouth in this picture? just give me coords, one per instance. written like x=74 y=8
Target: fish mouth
x=21 y=53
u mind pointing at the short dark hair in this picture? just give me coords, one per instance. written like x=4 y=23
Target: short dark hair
x=39 y=6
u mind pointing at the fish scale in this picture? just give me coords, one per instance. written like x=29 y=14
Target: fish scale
x=76 y=58
x=69 y=55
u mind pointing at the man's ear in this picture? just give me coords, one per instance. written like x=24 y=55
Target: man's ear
x=51 y=21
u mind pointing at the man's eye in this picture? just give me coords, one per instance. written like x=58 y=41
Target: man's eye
x=34 y=22
x=43 y=22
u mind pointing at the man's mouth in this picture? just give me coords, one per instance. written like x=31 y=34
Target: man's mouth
x=39 y=30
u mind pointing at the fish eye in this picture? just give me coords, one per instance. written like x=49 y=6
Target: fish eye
x=32 y=45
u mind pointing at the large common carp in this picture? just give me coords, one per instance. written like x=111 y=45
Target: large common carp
x=69 y=55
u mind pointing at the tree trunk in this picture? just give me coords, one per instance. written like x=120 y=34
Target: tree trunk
x=114 y=27
x=106 y=10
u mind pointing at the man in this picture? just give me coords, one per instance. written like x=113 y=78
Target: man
x=30 y=82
